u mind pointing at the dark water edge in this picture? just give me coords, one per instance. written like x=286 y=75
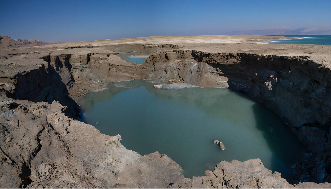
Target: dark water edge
x=304 y=39
x=183 y=124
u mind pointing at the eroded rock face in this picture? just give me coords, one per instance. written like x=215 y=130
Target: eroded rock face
x=236 y=174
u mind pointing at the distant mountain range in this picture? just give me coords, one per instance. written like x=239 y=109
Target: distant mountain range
x=6 y=41
x=324 y=30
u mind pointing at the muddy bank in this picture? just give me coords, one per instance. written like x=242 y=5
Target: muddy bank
x=42 y=145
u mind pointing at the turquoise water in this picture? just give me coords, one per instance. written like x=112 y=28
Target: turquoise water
x=138 y=60
x=130 y=57
x=305 y=39
x=183 y=124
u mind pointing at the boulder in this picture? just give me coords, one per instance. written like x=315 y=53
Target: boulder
x=222 y=146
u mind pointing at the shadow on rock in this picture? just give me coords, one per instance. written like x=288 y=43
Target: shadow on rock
x=45 y=85
x=279 y=139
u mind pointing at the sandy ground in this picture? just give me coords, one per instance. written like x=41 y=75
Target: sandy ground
x=214 y=43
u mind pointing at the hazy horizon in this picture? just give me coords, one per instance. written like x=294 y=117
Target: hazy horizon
x=83 y=20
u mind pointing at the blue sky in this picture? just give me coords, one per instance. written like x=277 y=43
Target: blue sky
x=78 y=20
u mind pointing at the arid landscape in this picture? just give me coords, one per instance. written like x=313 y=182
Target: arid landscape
x=42 y=144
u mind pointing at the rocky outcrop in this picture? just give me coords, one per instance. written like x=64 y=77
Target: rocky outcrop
x=220 y=144
x=158 y=86
x=46 y=85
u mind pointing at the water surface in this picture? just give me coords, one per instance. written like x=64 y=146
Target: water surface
x=183 y=124
x=131 y=57
x=305 y=39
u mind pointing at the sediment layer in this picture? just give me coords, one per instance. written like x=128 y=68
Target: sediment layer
x=43 y=145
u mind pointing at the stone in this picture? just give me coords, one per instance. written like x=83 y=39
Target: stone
x=158 y=86
x=222 y=146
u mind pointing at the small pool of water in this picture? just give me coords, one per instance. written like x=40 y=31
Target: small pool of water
x=183 y=124
x=136 y=59
x=131 y=57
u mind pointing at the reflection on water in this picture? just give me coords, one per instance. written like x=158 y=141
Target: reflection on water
x=183 y=124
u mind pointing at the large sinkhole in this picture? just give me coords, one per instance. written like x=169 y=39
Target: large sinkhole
x=183 y=123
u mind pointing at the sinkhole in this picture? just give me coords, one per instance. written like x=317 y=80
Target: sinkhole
x=183 y=123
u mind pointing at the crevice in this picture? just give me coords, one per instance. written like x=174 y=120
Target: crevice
x=325 y=127
x=224 y=181
x=7 y=156
x=257 y=183
x=67 y=62
x=26 y=166
x=38 y=148
x=25 y=175
x=64 y=145
x=13 y=105
x=88 y=58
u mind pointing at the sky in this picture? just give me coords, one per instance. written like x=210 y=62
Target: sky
x=87 y=20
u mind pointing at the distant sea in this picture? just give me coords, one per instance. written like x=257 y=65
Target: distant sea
x=304 y=39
